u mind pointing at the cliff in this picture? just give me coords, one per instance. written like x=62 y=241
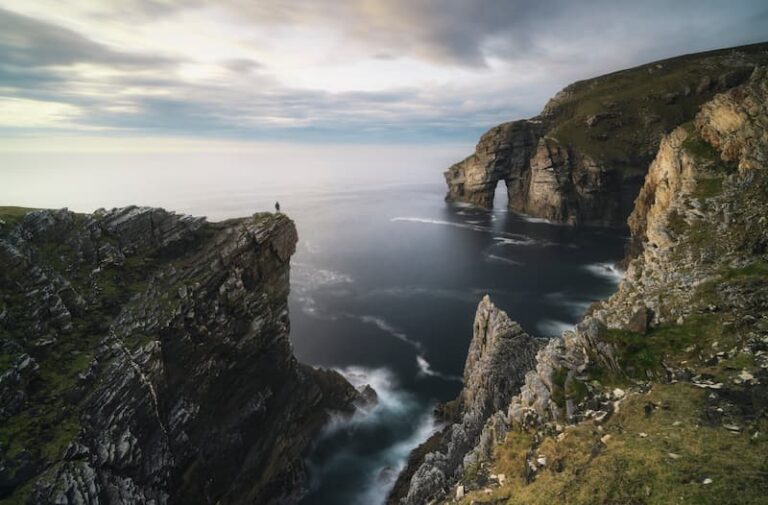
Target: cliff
x=583 y=159
x=659 y=395
x=145 y=359
x=499 y=354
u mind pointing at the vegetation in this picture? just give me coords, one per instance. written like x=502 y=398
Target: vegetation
x=619 y=117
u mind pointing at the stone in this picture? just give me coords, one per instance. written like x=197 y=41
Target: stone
x=204 y=305
x=500 y=354
x=641 y=320
x=459 y=492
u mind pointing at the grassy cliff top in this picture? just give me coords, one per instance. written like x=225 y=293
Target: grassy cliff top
x=619 y=118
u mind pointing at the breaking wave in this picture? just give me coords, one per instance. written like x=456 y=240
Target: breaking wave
x=426 y=369
x=606 y=271
x=397 y=416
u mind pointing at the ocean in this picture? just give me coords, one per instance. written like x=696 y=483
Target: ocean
x=385 y=281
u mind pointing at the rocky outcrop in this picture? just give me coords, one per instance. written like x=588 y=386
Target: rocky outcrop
x=152 y=361
x=582 y=160
x=698 y=281
x=499 y=354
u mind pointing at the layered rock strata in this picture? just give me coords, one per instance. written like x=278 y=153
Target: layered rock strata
x=499 y=354
x=582 y=160
x=690 y=315
x=150 y=361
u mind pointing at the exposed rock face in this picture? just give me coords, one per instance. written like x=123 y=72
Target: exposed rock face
x=153 y=362
x=503 y=153
x=701 y=223
x=573 y=165
x=499 y=355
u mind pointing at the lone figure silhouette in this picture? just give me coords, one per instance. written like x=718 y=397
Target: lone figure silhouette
x=277 y=207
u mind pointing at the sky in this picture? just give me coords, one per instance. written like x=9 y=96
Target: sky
x=90 y=74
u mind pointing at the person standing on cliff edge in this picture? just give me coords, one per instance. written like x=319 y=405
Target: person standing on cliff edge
x=277 y=207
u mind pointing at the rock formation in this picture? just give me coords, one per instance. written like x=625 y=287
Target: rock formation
x=668 y=373
x=148 y=361
x=499 y=354
x=582 y=160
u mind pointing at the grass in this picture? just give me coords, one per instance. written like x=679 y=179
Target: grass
x=638 y=107
x=634 y=466
x=12 y=215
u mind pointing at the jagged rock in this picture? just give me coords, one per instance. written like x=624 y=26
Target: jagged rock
x=499 y=355
x=169 y=337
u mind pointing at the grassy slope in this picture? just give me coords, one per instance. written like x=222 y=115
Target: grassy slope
x=641 y=105
x=672 y=443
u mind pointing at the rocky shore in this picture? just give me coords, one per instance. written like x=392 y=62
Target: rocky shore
x=146 y=359
x=659 y=394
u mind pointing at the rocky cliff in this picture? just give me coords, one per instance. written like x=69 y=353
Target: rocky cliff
x=145 y=359
x=583 y=159
x=659 y=395
x=499 y=354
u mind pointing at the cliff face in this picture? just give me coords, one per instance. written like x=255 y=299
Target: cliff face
x=146 y=360
x=660 y=393
x=582 y=160
x=499 y=354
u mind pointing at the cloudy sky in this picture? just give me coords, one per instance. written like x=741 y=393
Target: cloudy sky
x=365 y=71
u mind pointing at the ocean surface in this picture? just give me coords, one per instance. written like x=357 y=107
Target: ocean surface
x=384 y=284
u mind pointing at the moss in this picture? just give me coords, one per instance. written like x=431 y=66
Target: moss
x=700 y=148
x=559 y=377
x=708 y=188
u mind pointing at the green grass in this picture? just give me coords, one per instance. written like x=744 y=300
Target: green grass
x=12 y=215
x=637 y=100
x=630 y=469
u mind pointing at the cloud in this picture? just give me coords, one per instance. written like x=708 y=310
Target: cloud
x=374 y=70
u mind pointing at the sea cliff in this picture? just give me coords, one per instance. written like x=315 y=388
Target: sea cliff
x=584 y=158
x=659 y=394
x=146 y=360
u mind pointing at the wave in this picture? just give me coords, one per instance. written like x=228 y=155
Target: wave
x=606 y=271
x=501 y=259
x=425 y=369
x=576 y=306
x=503 y=237
x=396 y=410
x=390 y=329
x=306 y=279
x=553 y=327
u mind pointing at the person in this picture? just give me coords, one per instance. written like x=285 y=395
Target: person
x=277 y=207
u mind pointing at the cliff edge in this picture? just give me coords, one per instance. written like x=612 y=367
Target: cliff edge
x=145 y=359
x=660 y=394
x=583 y=159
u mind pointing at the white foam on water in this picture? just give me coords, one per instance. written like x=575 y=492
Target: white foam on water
x=502 y=237
x=606 y=271
x=553 y=327
x=393 y=404
x=306 y=279
x=501 y=259
x=575 y=306
x=513 y=241
x=388 y=328
x=425 y=369
x=414 y=291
